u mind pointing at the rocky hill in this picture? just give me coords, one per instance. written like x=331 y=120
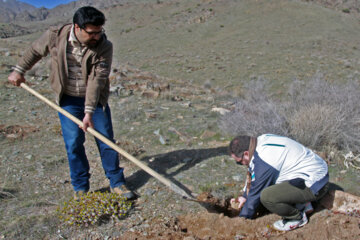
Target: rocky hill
x=10 y=9
x=20 y=14
x=347 y=6
x=15 y=11
x=19 y=18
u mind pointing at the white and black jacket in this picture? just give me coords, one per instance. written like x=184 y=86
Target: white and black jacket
x=278 y=159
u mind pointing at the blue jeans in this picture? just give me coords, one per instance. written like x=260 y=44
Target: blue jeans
x=74 y=139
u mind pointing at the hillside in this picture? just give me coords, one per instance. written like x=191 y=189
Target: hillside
x=177 y=65
x=9 y=9
x=232 y=43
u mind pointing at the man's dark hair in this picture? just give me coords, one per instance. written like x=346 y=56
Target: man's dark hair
x=88 y=15
x=238 y=145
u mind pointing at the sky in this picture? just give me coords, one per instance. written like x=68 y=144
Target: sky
x=46 y=3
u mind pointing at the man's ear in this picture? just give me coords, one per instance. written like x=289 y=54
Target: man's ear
x=77 y=27
x=246 y=153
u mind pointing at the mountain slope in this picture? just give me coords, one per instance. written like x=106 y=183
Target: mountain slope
x=226 y=43
x=9 y=9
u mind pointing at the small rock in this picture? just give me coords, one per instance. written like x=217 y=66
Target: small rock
x=237 y=178
x=150 y=94
x=222 y=111
x=187 y=104
x=203 y=165
x=64 y=181
x=176 y=99
x=150 y=115
x=239 y=237
x=16 y=153
x=149 y=192
x=12 y=136
x=189 y=238
x=207 y=134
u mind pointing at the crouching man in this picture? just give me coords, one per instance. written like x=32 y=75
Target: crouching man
x=283 y=175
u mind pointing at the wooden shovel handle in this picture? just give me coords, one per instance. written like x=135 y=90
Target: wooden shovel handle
x=105 y=140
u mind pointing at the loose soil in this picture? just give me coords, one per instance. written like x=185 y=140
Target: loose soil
x=173 y=63
x=221 y=222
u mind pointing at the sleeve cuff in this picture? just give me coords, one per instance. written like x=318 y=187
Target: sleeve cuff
x=89 y=109
x=19 y=69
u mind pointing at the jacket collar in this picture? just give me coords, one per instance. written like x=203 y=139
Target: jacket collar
x=72 y=37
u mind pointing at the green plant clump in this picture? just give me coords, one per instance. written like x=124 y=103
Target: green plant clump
x=93 y=208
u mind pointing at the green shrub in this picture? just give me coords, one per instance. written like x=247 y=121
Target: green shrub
x=93 y=208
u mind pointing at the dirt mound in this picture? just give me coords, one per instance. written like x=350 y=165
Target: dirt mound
x=205 y=225
x=323 y=225
x=220 y=222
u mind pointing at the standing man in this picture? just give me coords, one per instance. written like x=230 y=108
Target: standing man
x=283 y=175
x=81 y=58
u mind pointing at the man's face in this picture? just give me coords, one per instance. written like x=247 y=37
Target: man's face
x=89 y=35
x=243 y=159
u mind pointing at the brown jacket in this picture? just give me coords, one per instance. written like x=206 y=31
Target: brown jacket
x=96 y=64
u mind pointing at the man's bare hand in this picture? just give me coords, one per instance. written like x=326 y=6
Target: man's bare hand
x=16 y=78
x=87 y=122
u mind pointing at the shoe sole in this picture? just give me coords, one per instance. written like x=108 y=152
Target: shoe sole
x=301 y=225
x=283 y=231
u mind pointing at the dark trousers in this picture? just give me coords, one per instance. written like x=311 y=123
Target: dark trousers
x=282 y=198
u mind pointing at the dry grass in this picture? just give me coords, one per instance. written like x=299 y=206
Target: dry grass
x=317 y=113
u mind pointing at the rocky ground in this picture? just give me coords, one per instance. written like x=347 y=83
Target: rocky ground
x=35 y=178
x=166 y=104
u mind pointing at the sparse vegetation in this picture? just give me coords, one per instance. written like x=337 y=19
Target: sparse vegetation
x=181 y=44
x=316 y=113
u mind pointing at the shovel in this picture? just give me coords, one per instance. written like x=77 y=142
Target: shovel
x=105 y=140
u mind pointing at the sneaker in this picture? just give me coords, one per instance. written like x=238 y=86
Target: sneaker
x=289 y=224
x=123 y=191
x=79 y=194
x=305 y=207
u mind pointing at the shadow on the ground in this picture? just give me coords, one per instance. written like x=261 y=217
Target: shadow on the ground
x=162 y=162
x=327 y=201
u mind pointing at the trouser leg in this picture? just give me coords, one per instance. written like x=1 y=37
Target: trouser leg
x=109 y=157
x=282 y=198
x=74 y=139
